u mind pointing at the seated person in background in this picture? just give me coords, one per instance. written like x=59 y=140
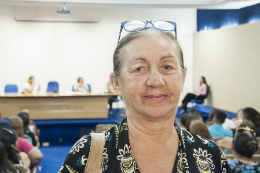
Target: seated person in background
x=216 y=130
x=244 y=145
x=194 y=114
x=185 y=122
x=81 y=87
x=5 y=164
x=239 y=119
x=27 y=133
x=227 y=141
x=198 y=127
x=9 y=140
x=30 y=86
x=253 y=115
x=211 y=114
x=229 y=124
x=33 y=153
x=200 y=94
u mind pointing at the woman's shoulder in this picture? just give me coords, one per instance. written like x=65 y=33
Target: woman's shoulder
x=78 y=154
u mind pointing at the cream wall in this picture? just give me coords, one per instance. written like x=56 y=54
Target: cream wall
x=64 y=51
x=229 y=59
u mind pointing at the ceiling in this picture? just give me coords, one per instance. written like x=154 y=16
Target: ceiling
x=219 y=4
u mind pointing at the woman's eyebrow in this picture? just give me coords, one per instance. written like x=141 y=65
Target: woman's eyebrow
x=168 y=56
x=141 y=59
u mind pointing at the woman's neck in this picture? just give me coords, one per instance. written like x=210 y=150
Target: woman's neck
x=143 y=130
x=244 y=159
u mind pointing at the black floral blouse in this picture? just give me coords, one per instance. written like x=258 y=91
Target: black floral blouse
x=195 y=154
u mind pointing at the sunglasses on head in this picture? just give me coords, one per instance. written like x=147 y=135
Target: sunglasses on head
x=243 y=128
x=7 y=130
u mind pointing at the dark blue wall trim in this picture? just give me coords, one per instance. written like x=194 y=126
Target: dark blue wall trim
x=213 y=19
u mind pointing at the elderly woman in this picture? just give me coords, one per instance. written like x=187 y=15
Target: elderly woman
x=149 y=74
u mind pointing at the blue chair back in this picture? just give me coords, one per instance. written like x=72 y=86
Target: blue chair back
x=206 y=96
x=73 y=88
x=11 y=88
x=89 y=88
x=53 y=87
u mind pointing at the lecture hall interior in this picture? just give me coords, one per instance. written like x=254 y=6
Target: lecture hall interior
x=57 y=72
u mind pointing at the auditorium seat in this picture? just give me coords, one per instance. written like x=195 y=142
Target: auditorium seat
x=53 y=87
x=11 y=88
x=103 y=127
x=200 y=101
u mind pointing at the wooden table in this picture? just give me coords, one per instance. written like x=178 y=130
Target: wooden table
x=55 y=106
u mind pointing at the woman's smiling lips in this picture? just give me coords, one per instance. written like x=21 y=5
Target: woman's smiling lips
x=158 y=98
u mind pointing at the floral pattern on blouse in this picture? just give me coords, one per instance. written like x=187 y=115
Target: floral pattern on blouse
x=195 y=154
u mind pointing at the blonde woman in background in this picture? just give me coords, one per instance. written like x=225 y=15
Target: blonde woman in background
x=198 y=127
x=30 y=86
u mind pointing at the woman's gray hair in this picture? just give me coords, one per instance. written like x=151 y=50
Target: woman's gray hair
x=133 y=35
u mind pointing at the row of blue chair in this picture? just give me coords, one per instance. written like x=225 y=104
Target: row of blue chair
x=52 y=87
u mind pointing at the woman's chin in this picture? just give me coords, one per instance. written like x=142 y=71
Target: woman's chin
x=158 y=113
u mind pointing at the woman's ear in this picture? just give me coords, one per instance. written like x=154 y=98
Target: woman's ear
x=115 y=83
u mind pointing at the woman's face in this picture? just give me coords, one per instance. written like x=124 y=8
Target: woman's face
x=81 y=80
x=151 y=78
x=32 y=79
x=201 y=80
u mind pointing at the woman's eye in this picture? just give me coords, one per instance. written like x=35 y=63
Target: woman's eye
x=139 y=69
x=167 y=67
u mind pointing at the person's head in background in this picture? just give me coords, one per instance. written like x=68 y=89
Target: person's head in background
x=17 y=126
x=245 y=143
x=185 y=121
x=31 y=80
x=219 y=117
x=5 y=164
x=203 y=80
x=25 y=118
x=194 y=114
x=198 y=127
x=9 y=139
x=80 y=80
x=247 y=123
x=252 y=115
x=211 y=114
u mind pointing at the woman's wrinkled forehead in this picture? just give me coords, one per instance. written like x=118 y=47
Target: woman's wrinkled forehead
x=150 y=44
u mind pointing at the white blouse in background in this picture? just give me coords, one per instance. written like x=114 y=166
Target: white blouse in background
x=26 y=85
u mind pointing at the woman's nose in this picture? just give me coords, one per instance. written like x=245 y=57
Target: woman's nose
x=155 y=79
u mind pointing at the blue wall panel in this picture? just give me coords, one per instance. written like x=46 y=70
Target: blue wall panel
x=214 y=19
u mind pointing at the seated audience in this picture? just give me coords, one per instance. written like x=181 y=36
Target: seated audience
x=239 y=119
x=33 y=153
x=200 y=94
x=216 y=130
x=80 y=86
x=9 y=141
x=227 y=141
x=27 y=133
x=229 y=124
x=198 y=127
x=194 y=114
x=30 y=86
x=211 y=114
x=244 y=146
x=5 y=164
x=252 y=115
x=185 y=122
